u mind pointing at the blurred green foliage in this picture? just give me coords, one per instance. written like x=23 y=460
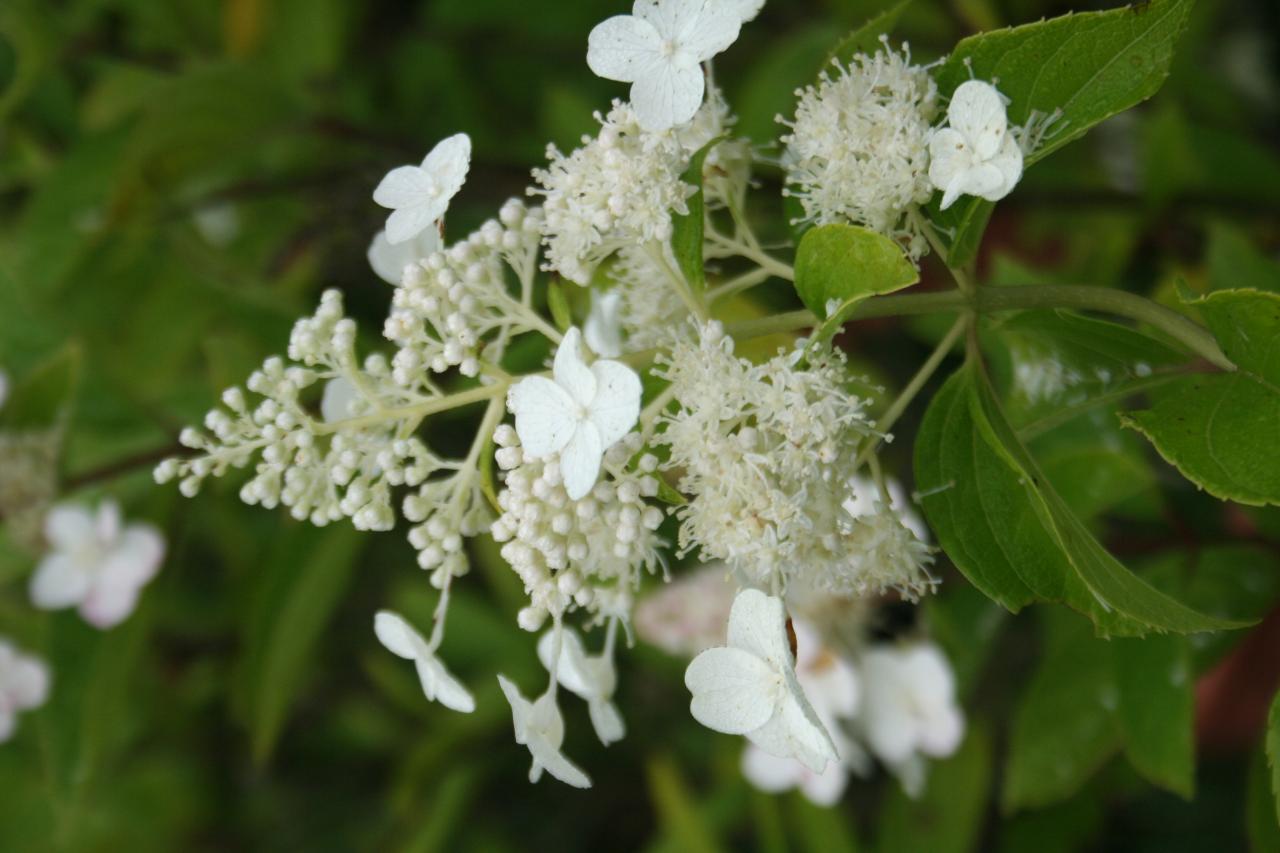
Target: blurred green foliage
x=179 y=180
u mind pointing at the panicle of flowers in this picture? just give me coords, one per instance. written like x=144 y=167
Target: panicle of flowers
x=651 y=313
x=858 y=149
x=457 y=303
x=588 y=553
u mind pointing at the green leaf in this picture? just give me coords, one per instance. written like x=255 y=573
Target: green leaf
x=559 y=305
x=1008 y=531
x=689 y=228
x=1156 y=709
x=43 y=397
x=304 y=578
x=1234 y=263
x=1090 y=66
x=1260 y=807
x=838 y=266
x=1273 y=750
x=948 y=816
x=866 y=38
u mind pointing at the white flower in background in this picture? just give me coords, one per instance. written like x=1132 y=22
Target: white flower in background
x=909 y=709
x=95 y=563
x=578 y=415
x=866 y=500
x=687 y=615
x=749 y=687
x=390 y=259
x=217 y=223
x=603 y=330
x=831 y=685
x=24 y=685
x=659 y=49
x=419 y=195
x=858 y=150
x=438 y=684
x=590 y=677
x=977 y=154
x=540 y=727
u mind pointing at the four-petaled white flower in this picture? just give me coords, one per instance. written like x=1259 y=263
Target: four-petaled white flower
x=750 y=688
x=24 y=684
x=419 y=195
x=590 y=677
x=977 y=154
x=603 y=328
x=438 y=684
x=579 y=415
x=909 y=709
x=658 y=49
x=390 y=259
x=95 y=562
x=540 y=727
x=831 y=685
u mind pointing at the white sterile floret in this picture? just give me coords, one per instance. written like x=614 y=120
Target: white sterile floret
x=909 y=709
x=618 y=189
x=603 y=329
x=831 y=685
x=390 y=259
x=24 y=685
x=858 y=146
x=590 y=677
x=540 y=727
x=419 y=195
x=578 y=415
x=658 y=50
x=688 y=614
x=749 y=687
x=95 y=562
x=438 y=684
x=977 y=154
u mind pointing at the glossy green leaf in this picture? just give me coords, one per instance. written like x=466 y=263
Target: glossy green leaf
x=1156 y=709
x=1090 y=66
x=838 y=266
x=1008 y=531
x=688 y=229
x=866 y=38
x=948 y=816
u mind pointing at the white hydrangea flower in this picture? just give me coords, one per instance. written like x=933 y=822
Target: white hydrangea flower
x=389 y=260
x=618 y=189
x=603 y=329
x=24 y=686
x=590 y=677
x=831 y=685
x=687 y=615
x=749 y=687
x=659 y=49
x=858 y=150
x=977 y=153
x=419 y=195
x=540 y=727
x=578 y=415
x=438 y=683
x=95 y=563
x=909 y=709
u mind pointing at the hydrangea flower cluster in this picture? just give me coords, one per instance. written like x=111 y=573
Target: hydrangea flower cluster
x=763 y=459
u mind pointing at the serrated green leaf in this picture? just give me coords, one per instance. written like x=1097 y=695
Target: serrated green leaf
x=1090 y=66
x=948 y=816
x=1156 y=709
x=838 y=266
x=1008 y=531
x=866 y=38
x=689 y=228
x=559 y=305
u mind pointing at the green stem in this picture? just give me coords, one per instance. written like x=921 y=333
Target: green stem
x=418 y=410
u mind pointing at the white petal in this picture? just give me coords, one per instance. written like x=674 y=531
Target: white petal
x=134 y=560
x=746 y=10
x=954 y=190
x=668 y=96
x=59 y=581
x=521 y=709
x=406 y=186
x=339 y=393
x=573 y=671
x=942 y=734
x=1008 y=161
x=439 y=685
x=984 y=181
x=616 y=406
x=770 y=773
x=623 y=48
x=389 y=260
x=733 y=691
x=408 y=222
x=949 y=155
x=68 y=526
x=580 y=460
x=397 y=635
x=758 y=624
x=28 y=683
x=448 y=163
x=795 y=732
x=108 y=521
x=602 y=331
x=978 y=112
x=107 y=606
x=571 y=371
x=557 y=765
x=711 y=31
x=546 y=416
x=607 y=721
x=826 y=788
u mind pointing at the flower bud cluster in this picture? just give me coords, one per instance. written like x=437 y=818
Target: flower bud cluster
x=587 y=553
x=448 y=307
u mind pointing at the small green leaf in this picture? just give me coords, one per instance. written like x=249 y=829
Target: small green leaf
x=866 y=38
x=43 y=397
x=838 y=266
x=559 y=305
x=688 y=228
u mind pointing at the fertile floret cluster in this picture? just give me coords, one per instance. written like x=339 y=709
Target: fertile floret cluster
x=858 y=150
